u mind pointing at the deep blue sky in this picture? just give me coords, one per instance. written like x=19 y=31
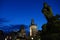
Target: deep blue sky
x=22 y=11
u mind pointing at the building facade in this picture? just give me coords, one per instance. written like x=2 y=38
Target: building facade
x=33 y=28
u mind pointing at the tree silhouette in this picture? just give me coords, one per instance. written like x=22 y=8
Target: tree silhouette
x=1 y=35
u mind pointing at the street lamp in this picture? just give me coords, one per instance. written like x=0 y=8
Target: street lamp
x=32 y=38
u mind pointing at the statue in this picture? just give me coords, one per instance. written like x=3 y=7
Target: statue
x=51 y=30
x=47 y=11
x=53 y=21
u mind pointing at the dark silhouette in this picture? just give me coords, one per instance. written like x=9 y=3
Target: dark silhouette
x=51 y=30
x=22 y=33
x=1 y=35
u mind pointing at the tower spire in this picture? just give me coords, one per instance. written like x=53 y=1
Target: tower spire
x=33 y=28
x=32 y=22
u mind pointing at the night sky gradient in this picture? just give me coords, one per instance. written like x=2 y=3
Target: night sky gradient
x=18 y=12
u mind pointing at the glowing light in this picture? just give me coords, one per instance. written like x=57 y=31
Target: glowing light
x=32 y=38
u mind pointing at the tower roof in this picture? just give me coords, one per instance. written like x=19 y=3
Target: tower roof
x=32 y=22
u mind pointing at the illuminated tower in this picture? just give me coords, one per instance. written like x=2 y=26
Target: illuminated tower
x=33 y=28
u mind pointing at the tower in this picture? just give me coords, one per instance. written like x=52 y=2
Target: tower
x=33 y=28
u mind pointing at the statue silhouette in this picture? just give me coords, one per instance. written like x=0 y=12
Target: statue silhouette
x=53 y=21
x=50 y=30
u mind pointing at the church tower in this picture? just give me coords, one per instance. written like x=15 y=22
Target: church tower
x=33 y=28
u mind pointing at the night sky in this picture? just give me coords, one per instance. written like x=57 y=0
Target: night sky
x=18 y=12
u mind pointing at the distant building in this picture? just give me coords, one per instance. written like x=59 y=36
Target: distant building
x=33 y=28
x=21 y=34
